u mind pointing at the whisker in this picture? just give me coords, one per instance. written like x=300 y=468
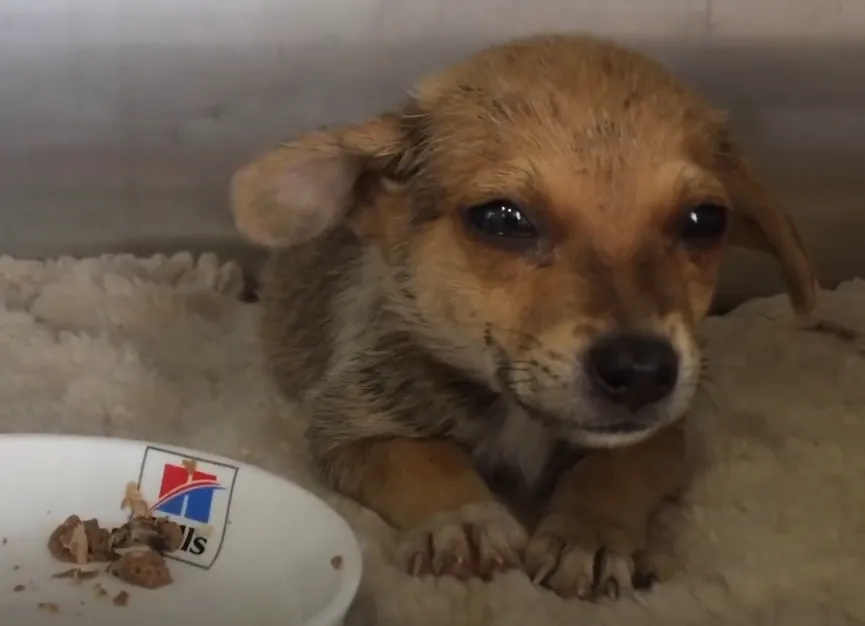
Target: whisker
x=705 y=391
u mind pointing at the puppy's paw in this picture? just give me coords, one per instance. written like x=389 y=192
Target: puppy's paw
x=477 y=540
x=588 y=558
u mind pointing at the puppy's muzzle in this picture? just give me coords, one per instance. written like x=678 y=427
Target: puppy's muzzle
x=632 y=370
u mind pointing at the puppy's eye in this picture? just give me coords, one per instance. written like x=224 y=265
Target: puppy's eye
x=500 y=219
x=703 y=225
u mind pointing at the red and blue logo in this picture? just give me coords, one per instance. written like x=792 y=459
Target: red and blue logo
x=187 y=494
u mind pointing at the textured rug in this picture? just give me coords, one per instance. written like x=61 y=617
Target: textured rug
x=773 y=531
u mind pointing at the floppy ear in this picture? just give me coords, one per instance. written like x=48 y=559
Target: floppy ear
x=307 y=186
x=759 y=222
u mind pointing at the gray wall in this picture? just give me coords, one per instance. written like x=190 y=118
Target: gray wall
x=120 y=120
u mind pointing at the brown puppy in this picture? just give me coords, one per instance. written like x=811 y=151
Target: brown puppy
x=497 y=284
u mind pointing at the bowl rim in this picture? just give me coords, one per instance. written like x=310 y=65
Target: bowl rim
x=349 y=583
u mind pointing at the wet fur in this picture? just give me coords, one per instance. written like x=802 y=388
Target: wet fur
x=434 y=369
x=354 y=331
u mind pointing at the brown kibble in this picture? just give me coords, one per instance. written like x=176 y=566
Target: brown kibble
x=49 y=607
x=190 y=464
x=17 y=588
x=157 y=533
x=337 y=562
x=59 y=539
x=99 y=542
x=133 y=551
x=67 y=536
x=142 y=568
x=121 y=599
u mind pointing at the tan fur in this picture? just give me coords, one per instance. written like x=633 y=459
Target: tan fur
x=435 y=476
x=435 y=368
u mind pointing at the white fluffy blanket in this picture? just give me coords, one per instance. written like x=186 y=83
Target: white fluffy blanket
x=774 y=531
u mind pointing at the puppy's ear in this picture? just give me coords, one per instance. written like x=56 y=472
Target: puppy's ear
x=759 y=222
x=309 y=185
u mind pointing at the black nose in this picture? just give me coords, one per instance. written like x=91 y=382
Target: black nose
x=632 y=369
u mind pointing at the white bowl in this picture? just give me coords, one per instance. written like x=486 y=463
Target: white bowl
x=260 y=550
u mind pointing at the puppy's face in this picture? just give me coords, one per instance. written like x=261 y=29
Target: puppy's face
x=554 y=213
x=568 y=216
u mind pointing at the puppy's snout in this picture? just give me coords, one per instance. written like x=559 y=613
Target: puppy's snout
x=632 y=369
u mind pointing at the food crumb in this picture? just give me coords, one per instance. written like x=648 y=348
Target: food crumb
x=49 y=607
x=99 y=591
x=121 y=599
x=19 y=588
x=337 y=562
x=134 y=501
x=77 y=574
x=190 y=464
x=15 y=568
x=5 y=541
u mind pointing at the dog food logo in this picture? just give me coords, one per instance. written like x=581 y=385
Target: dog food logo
x=193 y=492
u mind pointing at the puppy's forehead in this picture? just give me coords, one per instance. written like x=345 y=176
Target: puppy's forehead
x=560 y=94
x=590 y=127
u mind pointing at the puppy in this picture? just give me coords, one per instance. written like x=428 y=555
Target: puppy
x=497 y=283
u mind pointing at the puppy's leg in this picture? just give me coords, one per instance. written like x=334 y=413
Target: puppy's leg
x=428 y=488
x=597 y=521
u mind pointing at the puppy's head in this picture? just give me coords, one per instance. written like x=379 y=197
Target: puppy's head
x=552 y=214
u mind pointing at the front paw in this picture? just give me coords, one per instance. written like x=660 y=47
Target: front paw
x=476 y=540
x=588 y=558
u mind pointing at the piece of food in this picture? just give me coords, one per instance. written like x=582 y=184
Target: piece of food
x=77 y=574
x=157 y=533
x=80 y=542
x=142 y=567
x=133 y=550
x=49 y=607
x=134 y=501
x=121 y=599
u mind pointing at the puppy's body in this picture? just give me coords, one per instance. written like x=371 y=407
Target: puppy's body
x=498 y=284
x=335 y=316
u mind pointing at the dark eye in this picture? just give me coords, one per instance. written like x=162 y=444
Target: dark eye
x=500 y=219
x=703 y=225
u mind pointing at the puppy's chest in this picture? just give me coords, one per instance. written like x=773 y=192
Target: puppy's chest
x=515 y=446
